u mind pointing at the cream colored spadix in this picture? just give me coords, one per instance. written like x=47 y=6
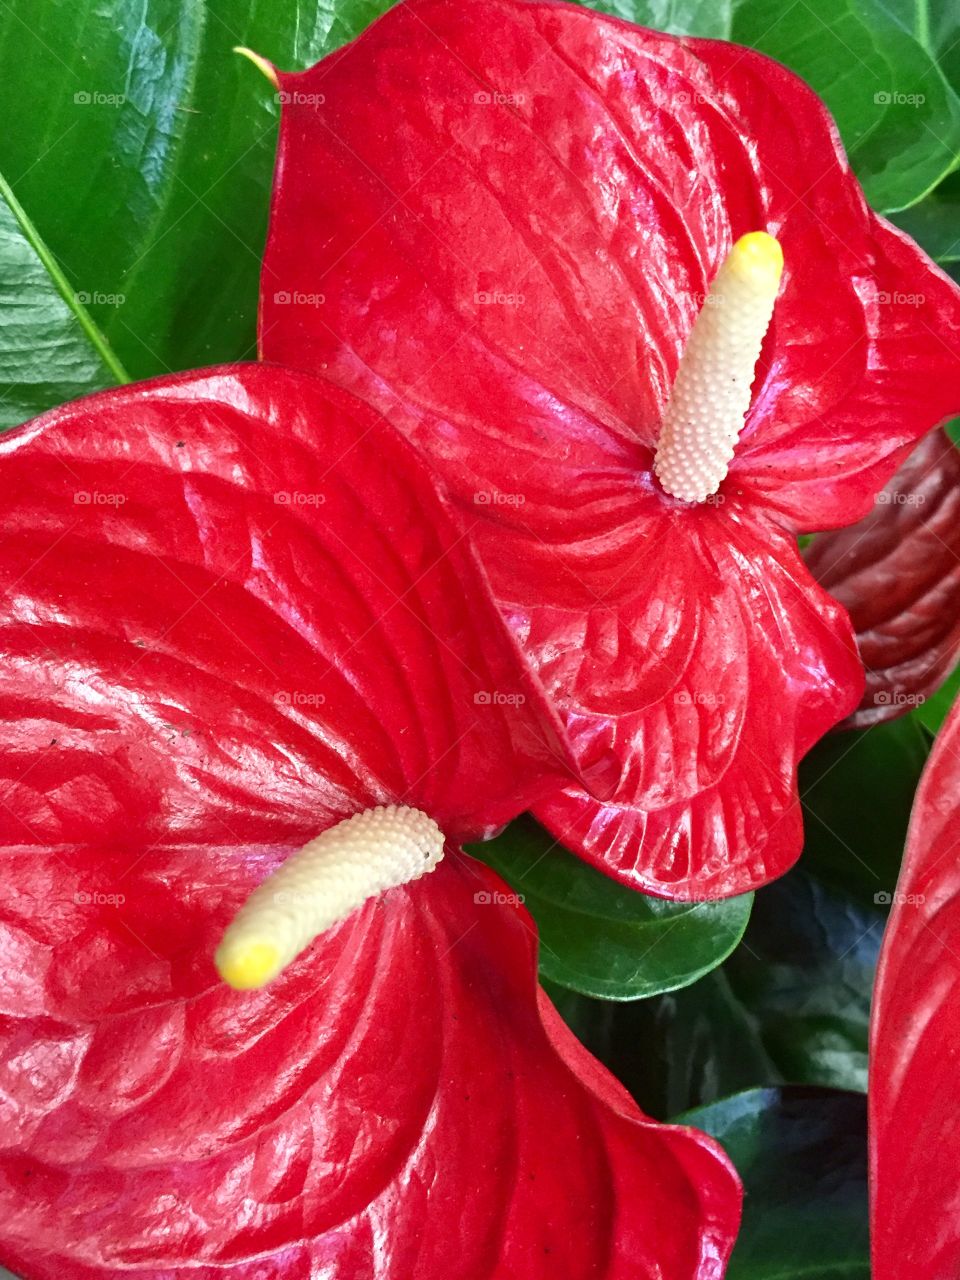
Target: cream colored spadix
x=329 y=878
x=711 y=392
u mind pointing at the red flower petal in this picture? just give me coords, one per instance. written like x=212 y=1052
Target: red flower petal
x=914 y=1124
x=196 y=677
x=512 y=212
x=392 y=1102
x=898 y=573
x=261 y=533
x=708 y=803
x=498 y=223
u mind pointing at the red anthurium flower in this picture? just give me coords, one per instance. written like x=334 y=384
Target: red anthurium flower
x=500 y=222
x=915 y=1030
x=897 y=571
x=237 y=620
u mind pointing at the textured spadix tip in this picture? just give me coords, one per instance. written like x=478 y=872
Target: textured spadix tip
x=323 y=883
x=260 y=62
x=758 y=259
x=711 y=392
x=248 y=965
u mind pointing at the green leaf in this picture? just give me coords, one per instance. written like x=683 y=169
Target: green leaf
x=679 y=17
x=602 y=939
x=875 y=66
x=857 y=792
x=141 y=147
x=792 y=1003
x=50 y=348
x=804 y=976
x=802 y=1155
x=935 y=223
x=678 y=1050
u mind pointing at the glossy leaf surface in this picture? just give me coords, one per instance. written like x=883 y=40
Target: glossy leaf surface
x=791 y=1004
x=601 y=938
x=914 y=1130
x=803 y=1159
x=50 y=348
x=219 y=637
x=857 y=790
x=141 y=146
x=551 y=214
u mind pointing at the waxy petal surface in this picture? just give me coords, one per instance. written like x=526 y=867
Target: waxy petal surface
x=915 y=1029
x=260 y=532
x=511 y=213
x=498 y=224
x=393 y=1104
x=198 y=675
x=897 y=572
x=707 y=803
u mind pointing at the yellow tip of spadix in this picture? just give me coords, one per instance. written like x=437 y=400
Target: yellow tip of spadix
x=260 y=62
x=757 y=257
x=249 y=965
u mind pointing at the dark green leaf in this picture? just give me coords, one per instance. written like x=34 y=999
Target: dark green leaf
x=857 y=791
x=802 y=1155
x=602 y=939
x=50 y=348
x=678 y=1050
x=874 y=65
x=142 y=149
x=804 y=975
x=935 y=222
x=791 y=1004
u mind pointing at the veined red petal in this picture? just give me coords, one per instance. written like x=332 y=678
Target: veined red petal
x=746 y=664
x=394 y=1102
x=235 y=607
x=897 y=571
x=915 y=1029
x=509 y=215
x=498 y=224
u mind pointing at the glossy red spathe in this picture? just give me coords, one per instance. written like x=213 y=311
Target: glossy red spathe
x=498 y=223
x=914 y=1032
x=235 y=610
